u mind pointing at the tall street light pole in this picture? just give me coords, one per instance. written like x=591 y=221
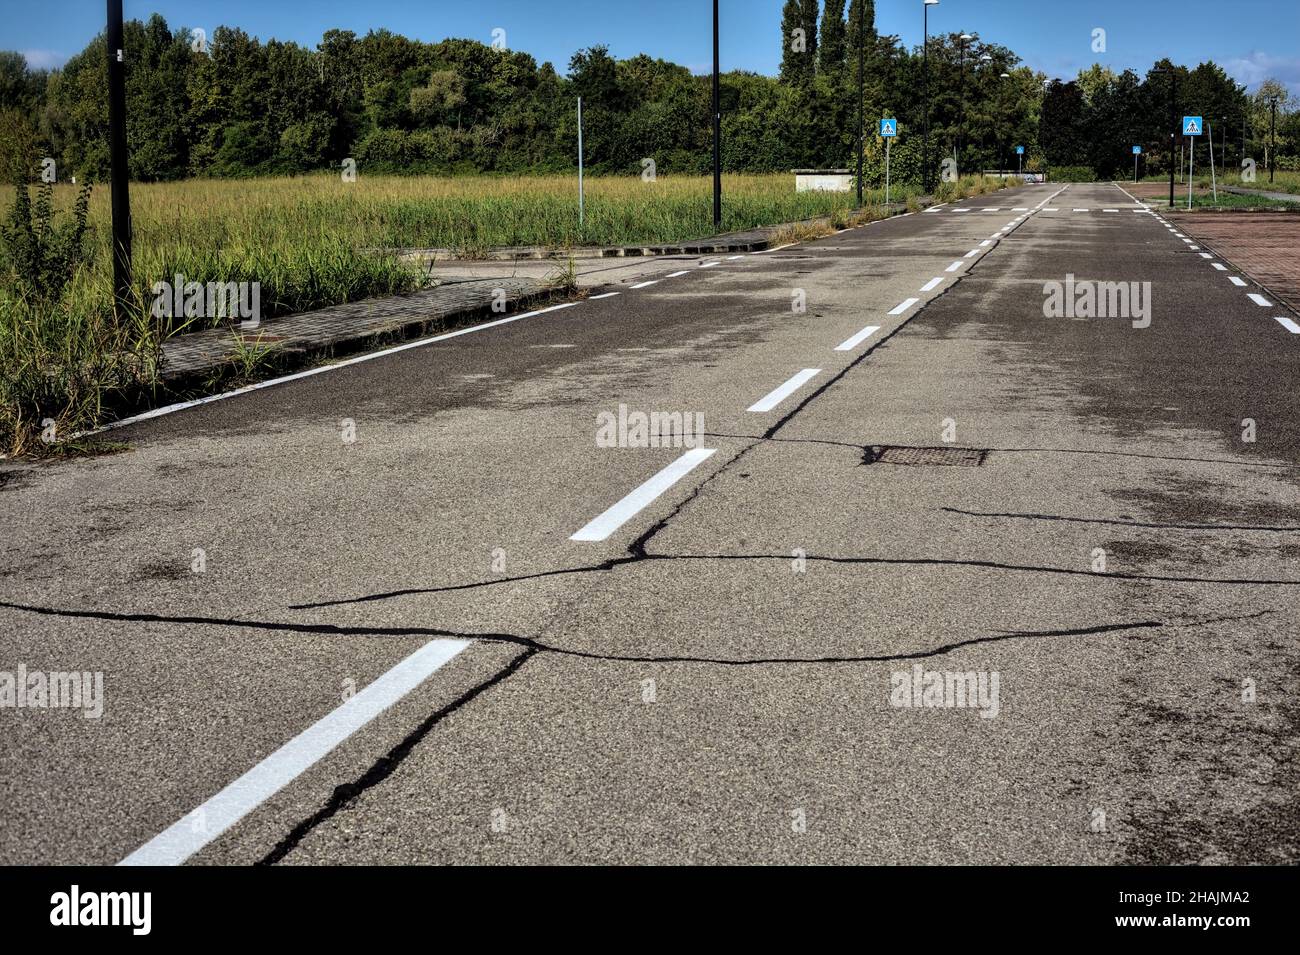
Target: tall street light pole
x=961 y=126
x=1173 y=127
x=717 y=126
x=1272 y=138
x=862 y=121
x=119 y=175
x=925 y=59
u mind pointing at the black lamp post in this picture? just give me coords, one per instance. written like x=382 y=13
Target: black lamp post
x=119 y=173
x=925 y=60
x=961 y=125
x=717 y=127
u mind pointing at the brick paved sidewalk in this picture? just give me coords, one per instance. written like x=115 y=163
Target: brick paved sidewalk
x=1266 y=246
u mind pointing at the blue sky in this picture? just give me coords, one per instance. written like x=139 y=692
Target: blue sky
x=1250 y=38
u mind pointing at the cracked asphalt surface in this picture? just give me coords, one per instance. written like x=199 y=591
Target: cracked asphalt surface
x=713 y=682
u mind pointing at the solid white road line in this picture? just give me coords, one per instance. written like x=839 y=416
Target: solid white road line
x=954 y=267
x=1220 y=266
x=311 y=372
x=187 y=836
x=1289 y=325
x=773 y=399
x=618 y=515
x=1240 y=283
x=1259 y=300
x=903 y=306
x=858 y=339
x=932 y=284
x=645 y=284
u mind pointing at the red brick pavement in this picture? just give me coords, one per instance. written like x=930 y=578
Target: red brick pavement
x=1264 y=245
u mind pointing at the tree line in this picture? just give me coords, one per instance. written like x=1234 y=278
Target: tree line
x=232 y=105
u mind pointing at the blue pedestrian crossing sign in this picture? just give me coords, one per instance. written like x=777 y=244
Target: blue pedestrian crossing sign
x=1020 y=150
x=1137 y=150
x=888 y=127
x=1192 y=126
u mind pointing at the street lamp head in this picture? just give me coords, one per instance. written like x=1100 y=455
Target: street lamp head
x=931 y=3
x=966 y=36
x=1006 y=76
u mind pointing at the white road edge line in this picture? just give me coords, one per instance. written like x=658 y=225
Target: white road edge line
x=1289 y=325
x=902 y=307
x=183 y=838
x=310 y=372
x=858 y=339
x=771 y=400
x=618 y=515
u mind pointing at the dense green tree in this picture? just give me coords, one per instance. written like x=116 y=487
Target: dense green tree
x=240 y=106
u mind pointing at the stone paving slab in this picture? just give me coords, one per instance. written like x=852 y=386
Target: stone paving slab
x=347 y=327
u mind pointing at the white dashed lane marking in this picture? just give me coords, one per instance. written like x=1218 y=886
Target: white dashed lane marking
x=903 y=307
x=932 y=284
x=858 y=339
x=774 y=398
x=1260 y=300
x=1289 y=325
x=954 y=267
x=183 y=838
x=618 y=515
x=1240 y=283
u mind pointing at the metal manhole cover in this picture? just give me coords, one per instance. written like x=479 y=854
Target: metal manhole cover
x=927 y=457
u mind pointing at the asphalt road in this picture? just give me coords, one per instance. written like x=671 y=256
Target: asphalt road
x=396 y=650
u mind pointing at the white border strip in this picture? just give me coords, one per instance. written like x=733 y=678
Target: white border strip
x=371 y=356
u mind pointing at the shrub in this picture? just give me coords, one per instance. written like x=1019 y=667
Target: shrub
x=43 y=256
x=1071 y=174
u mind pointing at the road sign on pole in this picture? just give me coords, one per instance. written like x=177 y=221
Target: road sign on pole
x=888 y=129
x=1137 y=151
x=1192 y=126
x=1020 y=153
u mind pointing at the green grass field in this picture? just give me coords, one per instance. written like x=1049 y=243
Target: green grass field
x=316 y=241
